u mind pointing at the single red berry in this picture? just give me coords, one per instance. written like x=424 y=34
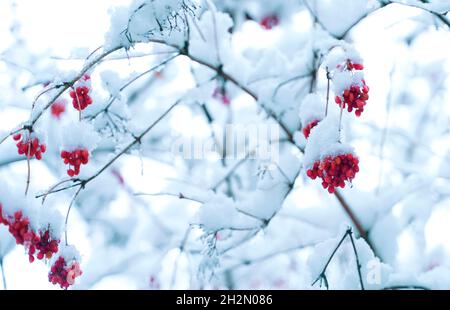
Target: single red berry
x=269 y=21
x=57 y=109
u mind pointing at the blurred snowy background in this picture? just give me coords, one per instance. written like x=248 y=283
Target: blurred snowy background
x=401 y=194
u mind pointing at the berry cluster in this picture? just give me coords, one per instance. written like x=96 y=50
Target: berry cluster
x=80 y=97
x=57 y=109
x=307 y=128
x=29 y=146
x=75 y=158
x=63 y=273
x=354 y=98
x=40 y=243
x=220 y=94
x=335 y=170
x=269 y=21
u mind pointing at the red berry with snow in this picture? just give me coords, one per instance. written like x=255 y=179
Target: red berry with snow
x=75 y=159
x=269 y=21
x=307 y=128
x=29 y=146
x=354 y=97
x=57 y=109
x=64 y=273
x=335 y=170
x=39 y=244
x=80 y=97
x=354 y=66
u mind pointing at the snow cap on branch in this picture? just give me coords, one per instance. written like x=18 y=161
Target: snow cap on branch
x=311 y=109
x=324 y=141
x=79 y=135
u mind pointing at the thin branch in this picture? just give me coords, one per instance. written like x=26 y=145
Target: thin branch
x=122 y=88
x=358 y=264
x=68 y=212
x=2 y=270
x=406 y=287
x=322 y=275
x=137 y=139
x=63 y=87
x=179 y=195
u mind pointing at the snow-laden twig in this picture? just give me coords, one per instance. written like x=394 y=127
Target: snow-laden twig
x=322 y=276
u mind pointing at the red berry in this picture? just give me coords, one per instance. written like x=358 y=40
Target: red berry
x=269 y=21
x=220 y=93
x=57 y=109
x=17 y=137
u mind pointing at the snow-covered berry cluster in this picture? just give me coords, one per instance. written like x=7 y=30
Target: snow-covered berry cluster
x=29 y=145
x=335 y=170
x=80 y=93
x=63 y=272
x=346 y=72
x=38 y=244
x=75 y=159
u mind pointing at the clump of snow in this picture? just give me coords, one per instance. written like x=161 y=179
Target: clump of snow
x=343 y=80
x=324 y=140
x=213 y=43
x=146 y=20
x=311 y=109
x=338 y=55
x=216 y=214
x=111 y=82
x=69 y=253
x=79 y=135
x=350 y=11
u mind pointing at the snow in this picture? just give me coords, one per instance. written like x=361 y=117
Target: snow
x=312 y=109
x=143 y=21
x=69 y=253
x=84 y=136
x=325 y=140
x=342 y=80
x=351 y=10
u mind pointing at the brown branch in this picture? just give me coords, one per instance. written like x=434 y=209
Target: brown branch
x=362 y=232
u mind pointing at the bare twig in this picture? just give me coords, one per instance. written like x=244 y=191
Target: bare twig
x=358 y=264
x=322 y=276
x=2 y=270
x=68 y=212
